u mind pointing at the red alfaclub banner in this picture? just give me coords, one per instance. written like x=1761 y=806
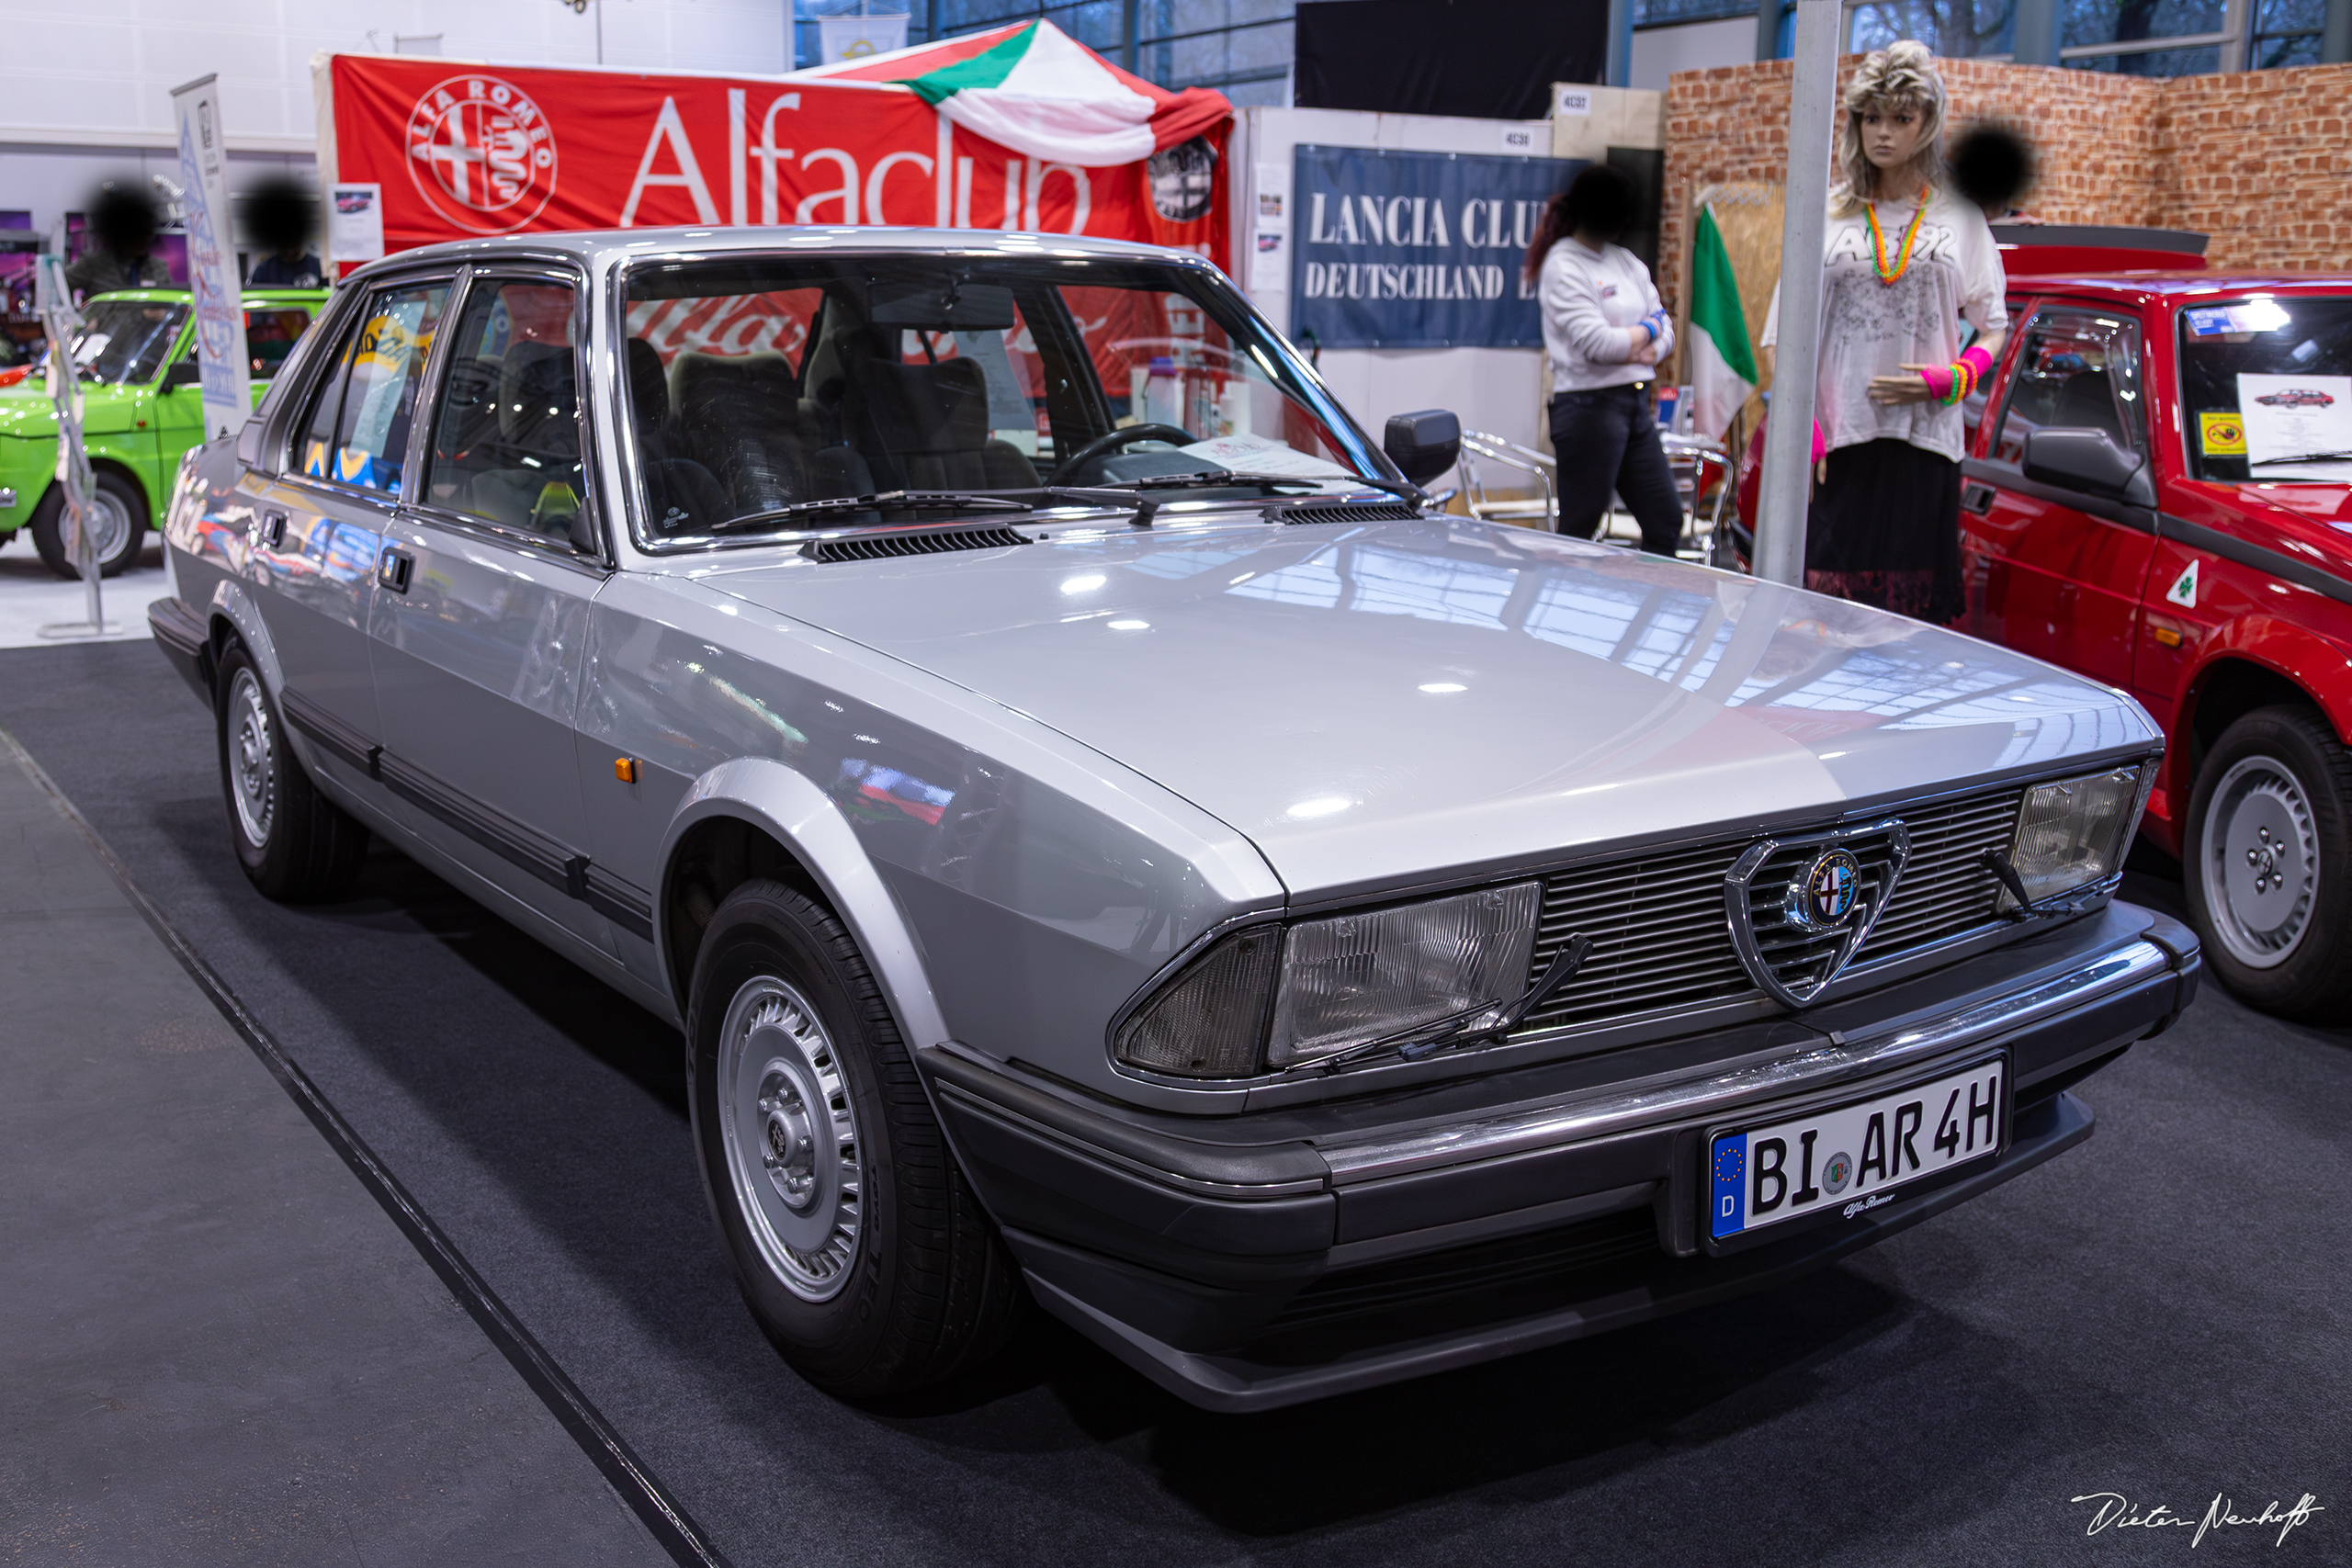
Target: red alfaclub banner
x=463 y=151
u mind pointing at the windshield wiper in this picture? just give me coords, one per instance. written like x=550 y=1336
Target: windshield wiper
x=2305 y=457
x=948 y=501
x=1209 y=480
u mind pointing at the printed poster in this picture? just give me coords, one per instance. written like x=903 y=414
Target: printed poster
x=2297 y=417
x=212 y=259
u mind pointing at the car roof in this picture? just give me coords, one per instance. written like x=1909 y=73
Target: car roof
x=596 y=248
x=2172 y=290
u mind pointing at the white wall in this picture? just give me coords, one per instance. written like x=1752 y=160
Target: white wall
x=1491 y=388
x=1659 y=52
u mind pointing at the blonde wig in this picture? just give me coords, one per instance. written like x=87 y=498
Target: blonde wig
x=1900 y=76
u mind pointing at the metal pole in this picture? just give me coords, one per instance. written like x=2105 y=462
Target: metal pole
x=2336 y=42
x=1619 y=72
x=2037 y=33
x=1767 y=30
x=1788 y=437
x=1130 y=23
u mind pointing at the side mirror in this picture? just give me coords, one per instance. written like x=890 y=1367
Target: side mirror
x=1423 y=445
x=182 y=373
x=2082 y=459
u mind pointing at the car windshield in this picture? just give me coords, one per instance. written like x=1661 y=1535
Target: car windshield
x=759 y=384
x=126 y=340
x=2266 y=389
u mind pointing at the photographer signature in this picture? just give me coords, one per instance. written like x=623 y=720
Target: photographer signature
x=2115 y=1509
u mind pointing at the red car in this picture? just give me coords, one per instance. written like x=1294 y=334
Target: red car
x=2113 y=520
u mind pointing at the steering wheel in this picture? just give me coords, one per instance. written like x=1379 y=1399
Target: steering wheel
x=1126 y=435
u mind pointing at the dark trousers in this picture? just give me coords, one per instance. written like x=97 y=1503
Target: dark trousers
x=1606 y=440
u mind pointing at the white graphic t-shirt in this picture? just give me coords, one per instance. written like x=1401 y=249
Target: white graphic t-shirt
x=1871 y=328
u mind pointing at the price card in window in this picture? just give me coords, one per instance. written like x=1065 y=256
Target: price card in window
x=2297 y=427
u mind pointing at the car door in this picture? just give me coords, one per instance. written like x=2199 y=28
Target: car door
x=482 y=596
x=2051 y=571
x=319 y=519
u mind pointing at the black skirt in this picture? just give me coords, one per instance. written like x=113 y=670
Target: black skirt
x=1885 y=530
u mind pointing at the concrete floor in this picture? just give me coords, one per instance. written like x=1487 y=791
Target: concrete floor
x=31 y=596
x=215 y=1348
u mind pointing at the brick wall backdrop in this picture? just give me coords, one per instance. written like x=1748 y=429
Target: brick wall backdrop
x=2261 y=160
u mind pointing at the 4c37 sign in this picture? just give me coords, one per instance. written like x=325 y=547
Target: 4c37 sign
x=1417 y=249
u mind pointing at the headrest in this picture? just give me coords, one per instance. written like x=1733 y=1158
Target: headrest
x=649 y=386
x=929 y=408
x=696 y=379
x=538 y=390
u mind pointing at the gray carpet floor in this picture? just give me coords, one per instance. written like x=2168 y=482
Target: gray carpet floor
x=2160 y=1315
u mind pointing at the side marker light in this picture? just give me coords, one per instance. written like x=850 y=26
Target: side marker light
x=625 y=769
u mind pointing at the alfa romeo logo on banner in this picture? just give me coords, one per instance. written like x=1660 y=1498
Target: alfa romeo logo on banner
x=481 y=153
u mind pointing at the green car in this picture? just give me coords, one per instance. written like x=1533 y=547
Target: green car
x=140 y=409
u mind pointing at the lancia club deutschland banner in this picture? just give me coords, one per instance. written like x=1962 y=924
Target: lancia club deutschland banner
x=1417 y=249
x=1066 y=143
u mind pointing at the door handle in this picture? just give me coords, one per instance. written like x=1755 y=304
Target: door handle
x=270 y=531
x=1976 y=498
x=393 y=568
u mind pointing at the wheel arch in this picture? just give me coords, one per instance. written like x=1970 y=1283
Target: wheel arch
x=233 y=613
x=104 y=463
x=755 y=817
x=2237 y=683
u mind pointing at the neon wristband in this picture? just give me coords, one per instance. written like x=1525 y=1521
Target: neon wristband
x=1941 y=379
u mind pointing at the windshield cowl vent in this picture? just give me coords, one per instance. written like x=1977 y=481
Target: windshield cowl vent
x=879 y=547
x=1344 y=512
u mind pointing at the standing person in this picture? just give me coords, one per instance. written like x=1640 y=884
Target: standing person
x=124 y=224
x=1905 y=262
x=1605 y=330
x=280 y=215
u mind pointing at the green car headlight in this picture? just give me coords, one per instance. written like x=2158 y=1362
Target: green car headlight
x=1272 y=997
x=2073 y=833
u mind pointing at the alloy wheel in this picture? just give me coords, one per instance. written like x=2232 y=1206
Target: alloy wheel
x=2261 y=862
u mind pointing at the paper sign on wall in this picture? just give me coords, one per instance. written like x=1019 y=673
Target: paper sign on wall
x=1572 y=100
x=355 y=222
x=2297 y=427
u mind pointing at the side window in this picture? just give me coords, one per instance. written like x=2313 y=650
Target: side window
x=506 y=433
x=2078 y=369
x=270 y=336
x=358 y=429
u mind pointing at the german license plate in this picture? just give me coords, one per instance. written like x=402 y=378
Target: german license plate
x=1851 y=1159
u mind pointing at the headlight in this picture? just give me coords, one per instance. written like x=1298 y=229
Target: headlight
x=2075 y=832
x=1334 y=983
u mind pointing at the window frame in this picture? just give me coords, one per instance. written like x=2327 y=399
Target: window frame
x=2133 y=415
x=520 y=270
x=284 y=441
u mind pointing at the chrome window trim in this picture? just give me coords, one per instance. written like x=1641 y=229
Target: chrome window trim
x=1369 y=454
x=1708 y=1091
x=428 y=408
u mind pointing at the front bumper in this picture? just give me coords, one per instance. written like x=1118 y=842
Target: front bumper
x=1254 y=1261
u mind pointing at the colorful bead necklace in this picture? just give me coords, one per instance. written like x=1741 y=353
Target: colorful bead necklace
x=1878 y=240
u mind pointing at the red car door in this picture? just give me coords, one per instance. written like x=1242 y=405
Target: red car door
x=2053 y=572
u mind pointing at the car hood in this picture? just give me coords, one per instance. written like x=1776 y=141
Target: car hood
x=1371 y=703
x=26 y=409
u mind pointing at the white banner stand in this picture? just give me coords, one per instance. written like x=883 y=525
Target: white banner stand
x=62 y=321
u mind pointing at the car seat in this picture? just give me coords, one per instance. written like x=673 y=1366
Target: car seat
x=2087 y=401
x=680 y=493
x=927 y=426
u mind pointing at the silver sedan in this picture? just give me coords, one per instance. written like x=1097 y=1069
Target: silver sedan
x=1111 y=841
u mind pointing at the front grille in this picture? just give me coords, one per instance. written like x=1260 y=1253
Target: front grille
x=877 y=547
x=1464 y=1273
x=1801 y=956
x=1662 y=942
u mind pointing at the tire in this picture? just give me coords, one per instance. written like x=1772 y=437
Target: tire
x=122 y=525
x=2267 y=863
x=860 y=1248
x=296 y=845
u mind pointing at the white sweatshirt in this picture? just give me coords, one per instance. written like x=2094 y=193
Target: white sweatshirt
x=1588 y=300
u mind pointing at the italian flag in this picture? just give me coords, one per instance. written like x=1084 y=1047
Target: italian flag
x=1036 y=91
x=1722 y=363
